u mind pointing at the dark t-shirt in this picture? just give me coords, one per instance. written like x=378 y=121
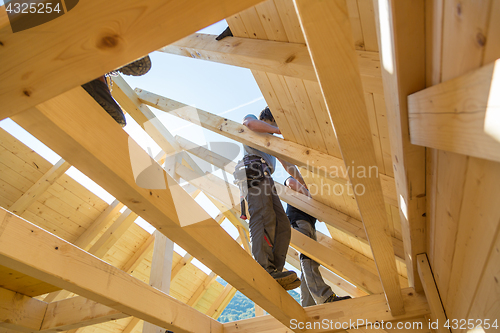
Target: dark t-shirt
x=295 y=214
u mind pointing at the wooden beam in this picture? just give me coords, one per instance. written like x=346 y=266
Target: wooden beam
x=202 y=288
x=297 y=154
x=40 y=186
x=401 y=35
x=86 y=238
x=19 y=312
x=431 y=293
x=98 y=225
x=282 y=58
x=331 y=216
x=127 y=98
x=459 y=115
x=139 y=255
x=114 y=232
x=28 y=248
x=131 y=325
x=332 y=279
x=89 y=45
x=340 y=82
x=186 y=259
x=370 y=309
x=161 y=268
x=77 y=312
x=221 y=302
x=91 y=141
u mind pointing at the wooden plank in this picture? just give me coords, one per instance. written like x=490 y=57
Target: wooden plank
x=77 y=312
x=202 y=288
x=39 y=187
x=89 y=44
x=282 y=58
x=271 y=21
x=340 y=82
x=23 y=245
x=401 y=35
x=222 y=301
x=161 y=269
x=181 y=264
x=290 y=21
x=103 y=154
x=431 y=293
x=19 y=312
x=371 y=308
x=459 y=115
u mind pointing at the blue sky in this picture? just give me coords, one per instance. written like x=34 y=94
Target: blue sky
x=216 y=88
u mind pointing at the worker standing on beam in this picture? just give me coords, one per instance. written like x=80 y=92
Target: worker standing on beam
x=270 y=229
x=313 y=289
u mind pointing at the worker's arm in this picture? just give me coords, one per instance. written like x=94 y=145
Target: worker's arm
x=296 y=186
x=293 y=171
x=260 y=126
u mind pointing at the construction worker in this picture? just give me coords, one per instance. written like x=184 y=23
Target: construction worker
x=313 y=289
x=269 y=226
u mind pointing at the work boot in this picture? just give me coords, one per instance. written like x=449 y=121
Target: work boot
x=137 y=68
x=99 y=90
x=293 y=285
x=335 y=298
x=284 y=278
x=224 y=34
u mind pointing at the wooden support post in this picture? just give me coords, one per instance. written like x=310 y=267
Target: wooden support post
x=161 y=268
x=340 y=82
x=28 y=248
x=102 y=152
x=131 y=325
x=41 y=185
x=432 y=293
x=401 y=35
x=459 y=115
x=101 y=46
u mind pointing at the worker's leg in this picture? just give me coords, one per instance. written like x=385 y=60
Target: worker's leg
x=262 y=223
x=306 y=298
x=319 y=290
x=283 y=231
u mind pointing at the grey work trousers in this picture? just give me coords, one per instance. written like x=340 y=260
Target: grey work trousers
x=313 y=289
x=270 y=229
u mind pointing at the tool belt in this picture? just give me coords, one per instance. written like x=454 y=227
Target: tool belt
x=251 y=169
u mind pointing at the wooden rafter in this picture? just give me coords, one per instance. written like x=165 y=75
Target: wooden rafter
x=282 y=58
x=23 y=245
x=400 y=28
x=89 y=44
x=35 y=191
x=205 y=240
x=340 y=81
